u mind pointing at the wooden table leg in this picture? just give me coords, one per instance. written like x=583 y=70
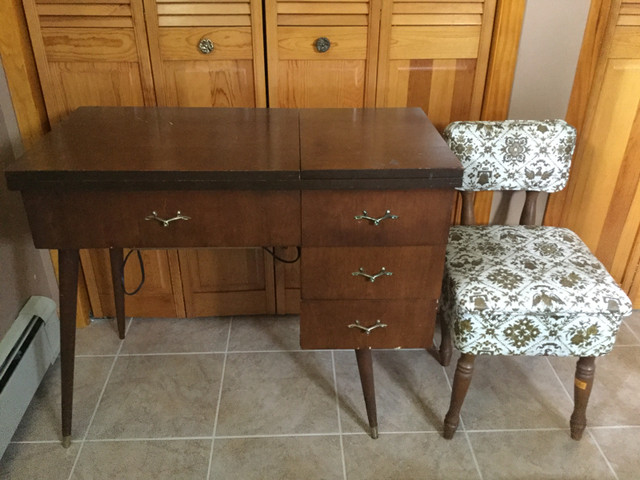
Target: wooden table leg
x=365 y=367
x=68 y=262
x=115 y=256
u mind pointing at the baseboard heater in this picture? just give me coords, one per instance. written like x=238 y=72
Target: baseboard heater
x=26 y=352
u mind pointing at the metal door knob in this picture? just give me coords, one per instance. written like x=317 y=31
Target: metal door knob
x=205 y=46
x=323 y=44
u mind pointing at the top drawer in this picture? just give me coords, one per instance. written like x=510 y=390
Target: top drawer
x=329 y=217
x=223 y=218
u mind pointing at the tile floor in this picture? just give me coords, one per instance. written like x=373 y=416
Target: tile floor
x=235 y=398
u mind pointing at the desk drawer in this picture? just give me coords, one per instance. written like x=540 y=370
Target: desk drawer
x=410 y=272
x=328 y=219
x=119 y=219
x=409 y=323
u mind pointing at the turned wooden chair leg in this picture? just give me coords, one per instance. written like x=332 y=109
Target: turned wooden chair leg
x=446 y=348
x=585 y=370
x=461 y=382
x=365 y=367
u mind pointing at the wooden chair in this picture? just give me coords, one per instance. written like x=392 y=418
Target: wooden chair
x=523 y=289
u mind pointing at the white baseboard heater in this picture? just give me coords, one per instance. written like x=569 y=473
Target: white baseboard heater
x=26 y=352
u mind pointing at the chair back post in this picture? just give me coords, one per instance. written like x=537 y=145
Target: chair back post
x=468 y=215
x=528 y=214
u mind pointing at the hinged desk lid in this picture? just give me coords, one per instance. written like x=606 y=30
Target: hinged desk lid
x=165 y=148
x=374 y=148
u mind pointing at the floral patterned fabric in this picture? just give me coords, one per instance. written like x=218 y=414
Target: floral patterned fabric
x=513 y=154
x=515 y=290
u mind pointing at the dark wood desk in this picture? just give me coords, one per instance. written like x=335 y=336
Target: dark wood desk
x=367 y=194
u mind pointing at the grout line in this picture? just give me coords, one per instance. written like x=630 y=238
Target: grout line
x=95 y=409
x=633 y=332
x=615 y=475
x=335 y=387
x=215 y=422
x=559 y=380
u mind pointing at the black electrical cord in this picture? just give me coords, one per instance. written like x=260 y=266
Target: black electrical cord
x=141 y=263
x=273 y=254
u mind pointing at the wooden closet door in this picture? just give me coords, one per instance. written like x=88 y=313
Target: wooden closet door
x=210 y=54
x=434 y=55
x=322 y=54
x=602 y=200
x=207 y=53
x=96 y=54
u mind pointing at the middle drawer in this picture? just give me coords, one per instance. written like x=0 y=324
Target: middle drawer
x=371 y=272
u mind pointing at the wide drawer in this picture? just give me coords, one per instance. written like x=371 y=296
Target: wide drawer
x=322 y=43
x=333 y=218
x=338 y=272
x=220 y=218
x=397 y=323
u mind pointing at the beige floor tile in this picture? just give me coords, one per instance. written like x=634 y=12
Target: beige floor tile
x=620 y=446
x=538 y=455
x=265 y=333
x=304 y=458
x=614 y=397
x=160 y=396
x=42 y=421
x=633 y=322
x=513 y=392
x=412 y=393
x=38 y=461
x=408 y=456
x=278 y=393
x=176 y=335
x=626 y=336
x=100 y=337
x=155 y=459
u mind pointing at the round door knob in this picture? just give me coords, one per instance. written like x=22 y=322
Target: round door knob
x=323 y=44
x=205 y=46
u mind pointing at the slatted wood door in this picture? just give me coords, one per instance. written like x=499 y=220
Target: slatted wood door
x=602 y=200
x=207 y=53
x=90 y=53
x=323 y=53
x=434 y=55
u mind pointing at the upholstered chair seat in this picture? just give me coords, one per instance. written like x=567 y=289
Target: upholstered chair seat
x=522 y=289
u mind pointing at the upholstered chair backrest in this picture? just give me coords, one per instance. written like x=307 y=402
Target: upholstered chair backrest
x=532 y=155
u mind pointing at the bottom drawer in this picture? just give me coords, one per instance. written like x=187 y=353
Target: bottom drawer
x=326 y=323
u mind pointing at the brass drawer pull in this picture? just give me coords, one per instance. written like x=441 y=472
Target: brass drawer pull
x=368 y=330
x=372 y=278
x=205 y=46
x=376 y=221
x=323 y=44
x=165 y=223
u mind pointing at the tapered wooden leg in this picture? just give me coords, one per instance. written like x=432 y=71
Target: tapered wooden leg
x=115 y=255
x=68 y=262
x=461 y=381
x=446 y=348
x=365 y=367
x=585 y=370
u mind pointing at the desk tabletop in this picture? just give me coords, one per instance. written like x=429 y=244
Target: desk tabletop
x=157 y=148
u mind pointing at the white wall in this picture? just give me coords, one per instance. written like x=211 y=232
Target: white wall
x=24 y=271
x=550 y=42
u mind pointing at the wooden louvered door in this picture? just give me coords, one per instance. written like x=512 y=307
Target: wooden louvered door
x=207 y=53
x=90 y=53
x=602 y=200
x=322 y=54
x=434 y=55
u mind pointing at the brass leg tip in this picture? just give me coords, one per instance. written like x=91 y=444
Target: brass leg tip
x=66 y=441
x=374 y=432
